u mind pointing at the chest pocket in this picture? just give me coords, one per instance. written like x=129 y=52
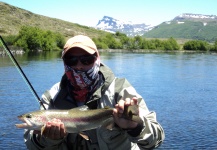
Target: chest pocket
x=115 y=138
x=79 y=142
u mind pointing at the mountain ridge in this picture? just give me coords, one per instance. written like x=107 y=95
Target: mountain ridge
x=191 y=16
x=113 y=25
x=12 y=18
x=186 y=25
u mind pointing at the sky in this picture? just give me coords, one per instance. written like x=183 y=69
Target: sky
x=89 y=12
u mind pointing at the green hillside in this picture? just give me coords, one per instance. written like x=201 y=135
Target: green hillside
x=187 y=30
x=12 y=18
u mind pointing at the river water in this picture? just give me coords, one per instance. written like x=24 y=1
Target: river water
x=180 y=87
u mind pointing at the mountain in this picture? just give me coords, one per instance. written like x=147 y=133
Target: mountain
x=195 y=17
x=12 y=18
x=187 y=26
x=112 y=25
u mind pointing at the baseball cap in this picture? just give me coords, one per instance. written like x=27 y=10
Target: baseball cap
x=80 y=41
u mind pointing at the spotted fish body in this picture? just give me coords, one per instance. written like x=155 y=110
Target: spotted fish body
x=75 y=120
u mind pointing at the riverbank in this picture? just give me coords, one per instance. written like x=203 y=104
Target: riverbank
x=15 y=52
x=151 y=51
x=20 y=51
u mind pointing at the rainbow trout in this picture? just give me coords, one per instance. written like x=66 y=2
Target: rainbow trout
x=75 y=120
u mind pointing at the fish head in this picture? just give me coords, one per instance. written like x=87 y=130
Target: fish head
x=32 y=120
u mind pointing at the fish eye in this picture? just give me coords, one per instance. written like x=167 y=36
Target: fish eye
x=29 y=116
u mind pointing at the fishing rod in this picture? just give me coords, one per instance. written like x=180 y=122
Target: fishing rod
x=5 y=47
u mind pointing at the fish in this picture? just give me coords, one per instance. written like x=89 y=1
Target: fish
x=75 y=120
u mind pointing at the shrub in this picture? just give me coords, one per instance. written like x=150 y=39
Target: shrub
x=196 y=45
x=33 y=38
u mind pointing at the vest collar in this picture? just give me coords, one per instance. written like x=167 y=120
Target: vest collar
x=60 y=102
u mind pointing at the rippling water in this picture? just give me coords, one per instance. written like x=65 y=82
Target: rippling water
x=181 y=88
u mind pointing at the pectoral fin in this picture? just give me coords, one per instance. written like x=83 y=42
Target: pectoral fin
x=42 y=129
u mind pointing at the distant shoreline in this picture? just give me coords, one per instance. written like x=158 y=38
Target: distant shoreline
x=149 y=51
x=20 y=51
x=17 y=52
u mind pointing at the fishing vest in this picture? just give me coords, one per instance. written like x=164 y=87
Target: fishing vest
x=60 y=101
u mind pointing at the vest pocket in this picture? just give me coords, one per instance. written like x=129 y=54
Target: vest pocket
x=109 y=136
x=115 y=139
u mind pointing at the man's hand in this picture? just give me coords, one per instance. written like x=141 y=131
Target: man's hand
x=53 y=129
x=119 y=110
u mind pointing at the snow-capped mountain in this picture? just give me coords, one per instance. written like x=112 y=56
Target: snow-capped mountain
x=131 y=29
x=195 y=17
x=182 y=18
x=187 y=26
x=113 y=25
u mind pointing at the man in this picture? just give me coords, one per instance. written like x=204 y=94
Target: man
x=86 y=81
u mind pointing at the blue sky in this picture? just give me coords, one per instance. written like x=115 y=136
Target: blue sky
x=89 y=12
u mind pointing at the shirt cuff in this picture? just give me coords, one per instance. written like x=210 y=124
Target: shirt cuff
x=136 y=131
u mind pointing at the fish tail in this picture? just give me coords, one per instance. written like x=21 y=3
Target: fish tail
x=131 y=113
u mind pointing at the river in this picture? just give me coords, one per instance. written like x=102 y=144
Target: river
x=180 y=87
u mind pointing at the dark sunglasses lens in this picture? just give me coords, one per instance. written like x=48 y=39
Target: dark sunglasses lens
x=71 y=61
x=87 y=60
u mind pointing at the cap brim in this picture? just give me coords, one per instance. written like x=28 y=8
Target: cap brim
x=85 y=48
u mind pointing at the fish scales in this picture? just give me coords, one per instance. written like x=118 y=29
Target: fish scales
x=75 y=120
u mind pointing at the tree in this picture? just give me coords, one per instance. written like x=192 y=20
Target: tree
x=10 y=39
x=60 y=40
x=112 y=43
x=214 y=47
x=171 y=44
x=29 y=38
x=100 y=44
x=137 y=42
x=33 y=38
x=196 y=45
x=158 y=44
x=125 y=42
x=119 y=34
x=145 y=44
x=152 y=44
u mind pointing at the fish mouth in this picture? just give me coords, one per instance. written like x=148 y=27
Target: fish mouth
x=22 y=125
x=26 y=123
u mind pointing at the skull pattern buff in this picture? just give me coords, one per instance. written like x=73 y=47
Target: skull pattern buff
x=82 y=82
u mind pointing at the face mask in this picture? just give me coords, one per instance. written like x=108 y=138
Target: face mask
x=82 y=79
x=82 y=82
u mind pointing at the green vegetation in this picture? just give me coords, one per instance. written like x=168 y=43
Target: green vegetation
x=214 y=47
x=121 y=41
x=30 y=31
x=196 y=45
x=33 y=38
x=195 y=30
x=13 y=18
x=161 y=38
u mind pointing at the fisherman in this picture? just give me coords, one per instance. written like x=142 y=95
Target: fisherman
x=87 y=81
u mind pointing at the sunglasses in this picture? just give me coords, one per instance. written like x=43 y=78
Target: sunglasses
x=84 y=59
